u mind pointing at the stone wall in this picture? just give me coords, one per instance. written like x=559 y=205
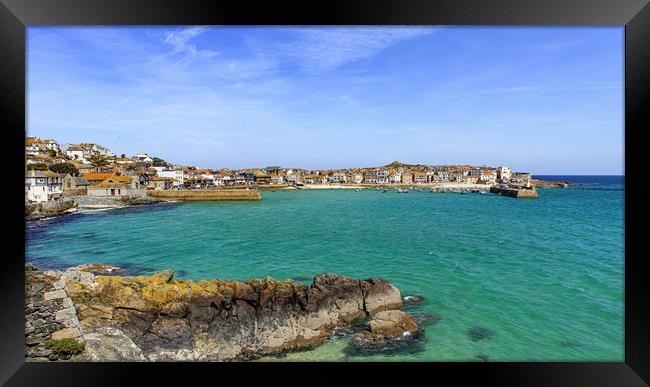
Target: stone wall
x=49 y=312
x=207 y=194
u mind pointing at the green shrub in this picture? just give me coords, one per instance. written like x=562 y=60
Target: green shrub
x=65 y=347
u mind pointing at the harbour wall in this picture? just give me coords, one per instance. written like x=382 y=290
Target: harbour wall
x=207 y=194
x=515 y=192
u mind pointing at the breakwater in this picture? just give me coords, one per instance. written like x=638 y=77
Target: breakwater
x=207 y=194
x=528 y=193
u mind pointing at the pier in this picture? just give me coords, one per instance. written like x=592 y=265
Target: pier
x=515 y=192
x=207 y=194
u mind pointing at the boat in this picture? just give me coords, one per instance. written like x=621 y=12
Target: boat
x=385 y=191
x=399 y=190
x=357 y=190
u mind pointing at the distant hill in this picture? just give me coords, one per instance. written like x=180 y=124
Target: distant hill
x=397 y=164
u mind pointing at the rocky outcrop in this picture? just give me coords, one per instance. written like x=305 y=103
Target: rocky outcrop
x=550 y=184
x=37 y=211
x=157 y=317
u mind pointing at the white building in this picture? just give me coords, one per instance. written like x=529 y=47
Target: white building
x=42 y=186
x=382 y=176
x=177 y=174
x=504 y=173
x=336 y=177
x=143 y=157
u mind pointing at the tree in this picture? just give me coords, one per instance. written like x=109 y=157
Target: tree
x=158 y=162
x=98 y=161
x=64 y=168
x=37 y=167
x=51 y=152
x=122 y=156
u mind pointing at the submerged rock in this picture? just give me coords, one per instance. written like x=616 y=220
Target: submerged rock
x=412 y=300
x=479 y=333
x=389 y=332
x=159 y=317
x=427 y=319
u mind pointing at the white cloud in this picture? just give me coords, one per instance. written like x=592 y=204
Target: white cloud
x=324 y=49
x=180 y=42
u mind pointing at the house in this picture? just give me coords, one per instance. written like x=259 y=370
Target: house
x=116 y=185
x=42 y=186
x=370 y=176
x=337 y=177
x=34 y=146
x=277 y=179
x=356 y=178
x=420 y=178
x=75 y=152
x=394 y=178
x=177 y=174
x=319 y=179
x=262 y=178
x=95 y=150
x=96 y=177
x=295 y=176
x=488 y=176
x=220 y=179
x=382 y=176
x=75 y=185
x=160 y=183
x=407 y=178
x=143 y=158
x=249 y=177
x=31 y=147
x=503 y=174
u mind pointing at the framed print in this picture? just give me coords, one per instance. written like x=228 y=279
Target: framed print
x=432 y=187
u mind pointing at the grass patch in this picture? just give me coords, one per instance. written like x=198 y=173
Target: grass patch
x=65 y=347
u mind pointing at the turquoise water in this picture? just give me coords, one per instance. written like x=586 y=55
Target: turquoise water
x=546 y=275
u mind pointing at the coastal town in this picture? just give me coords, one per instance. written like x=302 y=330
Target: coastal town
x=62 y=179
x=54 y=172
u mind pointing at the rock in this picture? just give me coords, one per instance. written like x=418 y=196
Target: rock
x=55 y=294
x=412 y=300
x=162 y=277
x=160 y=317
x=84 y=277
x=389 y=332
x=110 y=344
x=97 y=268
x=392 y=324
x=174 y=309
x=379 y=295
x=479 y=333
x=67 y=333
x=64 y=314
x=427 y=319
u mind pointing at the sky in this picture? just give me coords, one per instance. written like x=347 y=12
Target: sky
x=548 y=100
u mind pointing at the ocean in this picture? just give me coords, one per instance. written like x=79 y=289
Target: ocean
x=542 y=279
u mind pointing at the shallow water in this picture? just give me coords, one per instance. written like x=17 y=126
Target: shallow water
x=544 y=276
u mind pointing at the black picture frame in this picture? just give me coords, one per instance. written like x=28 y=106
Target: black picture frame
x=16 y=15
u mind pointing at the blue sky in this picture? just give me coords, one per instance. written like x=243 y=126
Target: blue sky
x=545 y=100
